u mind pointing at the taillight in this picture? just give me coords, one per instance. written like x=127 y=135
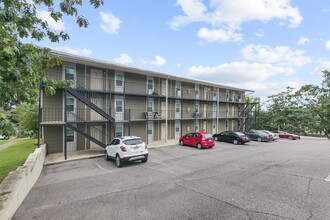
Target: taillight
x=123 y=148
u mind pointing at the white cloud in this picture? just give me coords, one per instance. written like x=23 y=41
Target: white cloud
x=303 y=41
x=124 y=59
x=219 y=35
x=75 y=51
x=110 y=24
x=238 y=72
x=230 y=15
x=158 y=61
x=282 y=55
x=260 y=33
x=327 y=45
x=323 y=64
x=56 y=26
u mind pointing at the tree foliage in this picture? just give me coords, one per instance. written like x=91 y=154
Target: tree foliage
x=27 y=115
x=22 y=66
x=304 y=111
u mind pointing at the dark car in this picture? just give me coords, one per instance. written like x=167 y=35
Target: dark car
x=257 y=135
x=197 y=139
x=232 y=137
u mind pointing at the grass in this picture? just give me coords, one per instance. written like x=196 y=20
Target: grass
x=15 y=156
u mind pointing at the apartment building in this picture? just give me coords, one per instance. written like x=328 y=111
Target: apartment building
x=108 y=100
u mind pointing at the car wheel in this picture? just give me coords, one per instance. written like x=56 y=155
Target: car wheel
x=118 y=161
x=259 y=139
x=216 y=138
x=144 y=160
x=199 y=146
x=106 y=156
x=181 y=143
x=290 y=138
x=235 y=142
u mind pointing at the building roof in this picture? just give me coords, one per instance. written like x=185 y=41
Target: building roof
x=125 y=68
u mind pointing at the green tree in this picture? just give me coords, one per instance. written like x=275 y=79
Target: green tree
x=22 y=66
x=317 y=100
x=27 y=115
x=7 y=123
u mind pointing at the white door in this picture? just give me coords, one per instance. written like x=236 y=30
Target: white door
x=196 y=125
x=70 y=108
x=163 y=131
x=119 y=82
x=96 y=80
x=197 y=91
x=205 y=111
x=163 y=87
x=71 y=137
x=177 y=109
x=97 y=134
x=214 y=110
x=150 y=131
x=178 y=89
x=163 y=110
x=214 y=123
x=177 y=129
x=119 y=108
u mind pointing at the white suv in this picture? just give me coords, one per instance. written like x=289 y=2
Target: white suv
x=127 y=148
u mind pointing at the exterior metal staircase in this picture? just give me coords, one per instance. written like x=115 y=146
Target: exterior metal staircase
x=91 y=135
x=81 y=95
x=249 y=116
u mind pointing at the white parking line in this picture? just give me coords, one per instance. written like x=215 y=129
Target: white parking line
x=103 y=168
x=327 y=179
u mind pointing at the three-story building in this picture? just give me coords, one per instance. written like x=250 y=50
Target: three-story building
x=108 y=100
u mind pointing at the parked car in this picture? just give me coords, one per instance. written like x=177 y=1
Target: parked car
x=126 y=149
x=197 y=139
x=289 y=136
x=272 y=136
x=257 y=135
x=232 y=137
x=3 y=137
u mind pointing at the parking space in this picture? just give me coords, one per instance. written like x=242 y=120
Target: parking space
x=277 y=180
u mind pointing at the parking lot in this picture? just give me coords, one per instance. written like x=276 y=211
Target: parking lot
x=278 y=180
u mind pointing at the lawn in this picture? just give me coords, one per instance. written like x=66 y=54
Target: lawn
x=3 y=141
x=15 y=156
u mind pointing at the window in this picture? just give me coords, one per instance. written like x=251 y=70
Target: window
x=119 y=130
x=119 y=106
x=150 y=84
x=119 y=80
x=70 y=104
x=69 y=135
x=197 y=108
x=177 y=128
x=177 y=107
x=69 y=72
x=149 y=106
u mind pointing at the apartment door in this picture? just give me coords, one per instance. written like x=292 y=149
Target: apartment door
x=71 y=140
x=150 y=131
x=177 y=129
x=163 y=110
x=177 y=109
x=119 y=108
x=99 y=103
x=70 y=108
x=163 y=87
x=205 y=111
x=197 y=91
x=214 y=124
x=178 y=89
x=204 y=126
x=196 y=125
x=214 y=110
x=96 y=132
x=96 y=80
x=162 y=131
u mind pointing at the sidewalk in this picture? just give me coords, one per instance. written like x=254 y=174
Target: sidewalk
x=11 y=142
x=99 y=152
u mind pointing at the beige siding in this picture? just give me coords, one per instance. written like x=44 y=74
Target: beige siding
x=135 y=84
x=188 y=90
x=54 y=139
x=139 y=129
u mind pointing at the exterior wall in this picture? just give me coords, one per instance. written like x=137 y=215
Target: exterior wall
x=139 y=129
x=187 y=126
x=52 y=107
x=53 y=137
x=135 y=84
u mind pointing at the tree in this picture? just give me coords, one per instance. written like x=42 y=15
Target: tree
x=22 y=66
x=27 y=115
x=317 y=100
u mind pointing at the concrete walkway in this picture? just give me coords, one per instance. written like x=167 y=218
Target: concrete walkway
x=98 y=152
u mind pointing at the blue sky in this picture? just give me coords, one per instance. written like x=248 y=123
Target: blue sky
x=262 y=45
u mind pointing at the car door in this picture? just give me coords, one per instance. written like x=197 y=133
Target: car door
x=188 y=139
x=231 y=137
x=112 y=147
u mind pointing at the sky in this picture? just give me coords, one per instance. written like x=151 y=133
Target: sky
x=260 y=45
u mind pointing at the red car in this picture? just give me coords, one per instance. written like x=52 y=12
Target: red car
x=289 y=136
x=198 y=139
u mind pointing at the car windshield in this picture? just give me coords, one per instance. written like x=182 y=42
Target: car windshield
x=208 y=136
x=133 y=141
